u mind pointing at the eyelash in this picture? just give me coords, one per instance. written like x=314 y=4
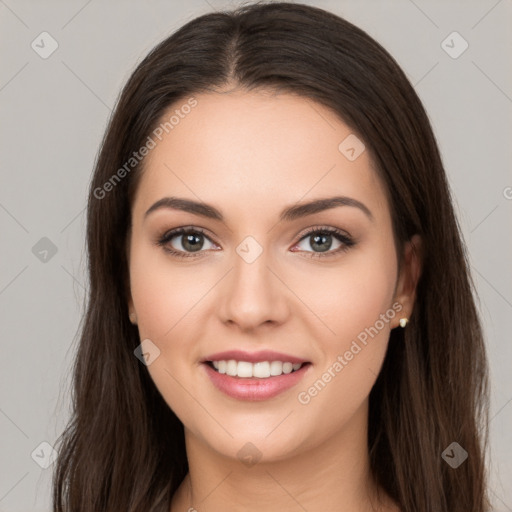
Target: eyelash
x=346 y=241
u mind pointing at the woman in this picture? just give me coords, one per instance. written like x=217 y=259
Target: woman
x=280 y=313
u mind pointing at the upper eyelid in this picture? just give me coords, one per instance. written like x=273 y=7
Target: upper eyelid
x=332 y=230
x=180 y=231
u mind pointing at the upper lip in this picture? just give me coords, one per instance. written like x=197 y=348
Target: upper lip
x=253 y=357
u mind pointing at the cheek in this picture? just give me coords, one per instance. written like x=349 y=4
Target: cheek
x=351 y=296
x=357 y=305
x=167 y=302
x=165 y=297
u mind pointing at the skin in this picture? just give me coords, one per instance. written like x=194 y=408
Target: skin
x=250 y=155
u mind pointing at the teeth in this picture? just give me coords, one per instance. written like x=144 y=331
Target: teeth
x=276 y=368
x=231 y=368
x=244 y=369
x=261 y=370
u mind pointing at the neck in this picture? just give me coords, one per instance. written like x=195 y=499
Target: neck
x=334 y=475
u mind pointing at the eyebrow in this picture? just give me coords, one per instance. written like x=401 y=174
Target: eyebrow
x=288 y=214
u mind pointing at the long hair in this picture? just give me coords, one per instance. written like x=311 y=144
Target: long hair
x=123 y=448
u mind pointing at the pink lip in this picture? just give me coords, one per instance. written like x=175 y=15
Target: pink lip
x=254 y=389
x=254 y=357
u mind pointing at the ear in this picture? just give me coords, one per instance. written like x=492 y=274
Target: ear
x=408 y=277
x=131 y=313
x=131 y=308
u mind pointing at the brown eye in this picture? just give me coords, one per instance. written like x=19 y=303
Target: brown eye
x=191 y=241
x=321 y=242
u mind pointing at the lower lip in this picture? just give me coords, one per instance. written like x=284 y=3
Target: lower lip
x=254 y=388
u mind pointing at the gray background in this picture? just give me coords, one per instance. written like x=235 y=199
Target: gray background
x=53 y=115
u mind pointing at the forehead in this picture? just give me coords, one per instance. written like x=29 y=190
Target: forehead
x=257 y=149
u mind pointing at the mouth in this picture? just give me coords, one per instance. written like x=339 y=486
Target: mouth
x=265 y=377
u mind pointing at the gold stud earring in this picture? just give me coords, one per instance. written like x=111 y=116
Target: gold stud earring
x=403 y=322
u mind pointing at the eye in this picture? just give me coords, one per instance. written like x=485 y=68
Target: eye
x=191 y=242
x=325 y=240
x=184 y=242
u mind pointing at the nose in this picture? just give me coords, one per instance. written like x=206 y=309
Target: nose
x=252 y=295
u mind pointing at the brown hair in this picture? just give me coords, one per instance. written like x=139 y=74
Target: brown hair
x=123 y=448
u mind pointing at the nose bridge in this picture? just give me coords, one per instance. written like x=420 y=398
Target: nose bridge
x=252 y=294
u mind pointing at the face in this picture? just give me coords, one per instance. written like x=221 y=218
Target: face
x=259 y=273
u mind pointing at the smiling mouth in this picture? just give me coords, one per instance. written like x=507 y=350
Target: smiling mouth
x=260 y=370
